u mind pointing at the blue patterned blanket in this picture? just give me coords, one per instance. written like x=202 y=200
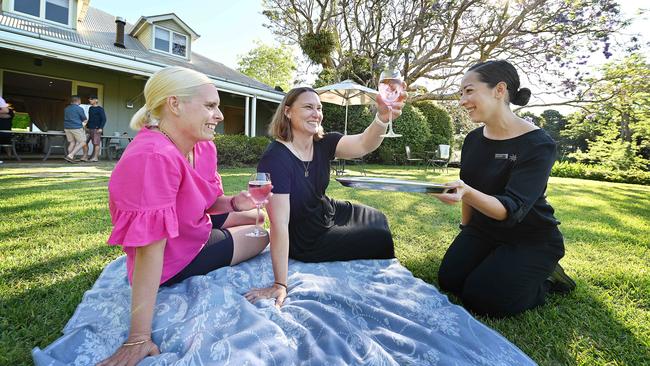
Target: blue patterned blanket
x=338 y=313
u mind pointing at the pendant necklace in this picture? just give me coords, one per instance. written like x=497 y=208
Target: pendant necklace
x=188 y=156
x=305 y=166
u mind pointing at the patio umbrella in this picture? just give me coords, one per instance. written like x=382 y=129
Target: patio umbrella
x=347 y=93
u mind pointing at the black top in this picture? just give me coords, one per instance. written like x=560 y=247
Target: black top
x=515 y=171
x=96 y=117
x=312 y=212
x=5 y=123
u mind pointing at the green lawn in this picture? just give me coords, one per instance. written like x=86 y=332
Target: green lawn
x=55 y=222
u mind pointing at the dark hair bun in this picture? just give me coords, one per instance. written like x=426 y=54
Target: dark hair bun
x=521 y=97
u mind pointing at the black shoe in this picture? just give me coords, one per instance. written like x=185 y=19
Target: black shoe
x=560 y=282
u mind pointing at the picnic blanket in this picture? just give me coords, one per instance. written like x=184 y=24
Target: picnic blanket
x=364 y=312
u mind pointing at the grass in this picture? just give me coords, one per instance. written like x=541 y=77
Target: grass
x=55 y=222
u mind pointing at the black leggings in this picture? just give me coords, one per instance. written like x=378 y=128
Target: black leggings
x=497 y=278
x=216 y=253
x=359 y=232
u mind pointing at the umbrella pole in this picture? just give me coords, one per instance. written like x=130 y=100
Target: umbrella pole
x=345 y=131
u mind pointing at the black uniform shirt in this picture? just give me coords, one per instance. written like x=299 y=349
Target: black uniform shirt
x=516 y=172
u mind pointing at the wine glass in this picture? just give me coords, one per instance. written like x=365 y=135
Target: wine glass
x=390 y=88
x=259 y=187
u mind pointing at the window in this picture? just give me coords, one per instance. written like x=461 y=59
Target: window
x=179 y=45
x=53 y=10
x=57 y=10
x=162 y=40
x=31 y=7
x=170 y=42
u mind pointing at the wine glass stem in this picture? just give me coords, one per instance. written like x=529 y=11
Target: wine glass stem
x=390 y=120
x=257 y=220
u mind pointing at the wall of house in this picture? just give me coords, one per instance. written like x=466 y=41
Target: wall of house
x=146 y=36
x=118 y=88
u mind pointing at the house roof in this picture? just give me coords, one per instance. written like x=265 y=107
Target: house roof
x=97 y=31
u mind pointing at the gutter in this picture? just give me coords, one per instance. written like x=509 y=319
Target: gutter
x=42 y=45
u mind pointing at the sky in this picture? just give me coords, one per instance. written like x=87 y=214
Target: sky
x=229 y=28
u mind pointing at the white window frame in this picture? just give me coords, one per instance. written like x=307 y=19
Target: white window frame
x=171 y=42
x=41 y=13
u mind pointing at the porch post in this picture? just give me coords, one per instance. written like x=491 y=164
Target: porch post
x=247 y=116
x=254 y=117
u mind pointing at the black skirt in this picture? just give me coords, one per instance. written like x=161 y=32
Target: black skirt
x=358 y=232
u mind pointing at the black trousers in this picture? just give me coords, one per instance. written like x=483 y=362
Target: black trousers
x=497 y=277
x=359 y=232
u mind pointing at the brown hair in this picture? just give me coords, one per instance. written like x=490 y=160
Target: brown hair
x=280 y=127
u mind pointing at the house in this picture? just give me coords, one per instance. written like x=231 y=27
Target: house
x=51 y=49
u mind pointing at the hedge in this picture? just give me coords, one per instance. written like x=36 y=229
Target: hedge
x=439 y=124
x=359 y=117
x=240 y=150
x=415 y=131
x=595 y=172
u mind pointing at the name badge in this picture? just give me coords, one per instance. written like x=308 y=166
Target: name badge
x=501 y=156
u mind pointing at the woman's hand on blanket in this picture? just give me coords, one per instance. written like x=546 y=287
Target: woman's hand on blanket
x=277 y=292
x=130 y=355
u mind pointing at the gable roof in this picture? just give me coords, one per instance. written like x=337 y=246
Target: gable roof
x=96 y=32
x=139 y=25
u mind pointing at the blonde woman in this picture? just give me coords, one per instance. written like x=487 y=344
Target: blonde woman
x=161 y=193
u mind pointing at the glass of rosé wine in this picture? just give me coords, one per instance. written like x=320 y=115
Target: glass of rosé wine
x=259 y=187
x=390 y=88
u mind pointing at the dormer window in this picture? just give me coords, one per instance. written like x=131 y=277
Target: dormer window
x=57 y=11
x=168 y=41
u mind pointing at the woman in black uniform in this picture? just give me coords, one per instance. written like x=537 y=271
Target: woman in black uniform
x=306 y=224
x=505 y=259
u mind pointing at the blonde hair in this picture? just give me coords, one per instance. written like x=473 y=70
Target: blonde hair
x=280 y=127
x=170 y=81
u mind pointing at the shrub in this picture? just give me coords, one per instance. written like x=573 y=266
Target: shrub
x=240 y=150
x=439 y=123
x=359 y=117
x=413 y=127
x=596 y=172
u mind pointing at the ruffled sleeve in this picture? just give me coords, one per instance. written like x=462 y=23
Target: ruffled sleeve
x=142 y=199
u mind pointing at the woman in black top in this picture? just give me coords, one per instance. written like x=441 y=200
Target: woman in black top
x=505 y=259
x=306 y=224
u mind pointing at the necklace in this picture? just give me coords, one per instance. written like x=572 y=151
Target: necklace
x=305 y=166
x=189 y=156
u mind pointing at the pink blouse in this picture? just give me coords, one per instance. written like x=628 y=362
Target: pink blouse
x=154 y=193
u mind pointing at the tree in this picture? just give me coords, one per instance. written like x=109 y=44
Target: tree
x=273 y=66
x=437 y=40
x=619 y=125
x=554 y=122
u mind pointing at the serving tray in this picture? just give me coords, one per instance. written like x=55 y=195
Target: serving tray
x=395 y=185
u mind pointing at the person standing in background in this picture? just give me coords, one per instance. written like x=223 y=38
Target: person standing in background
x=6 y=117
x=95 y=127
x=74 y=120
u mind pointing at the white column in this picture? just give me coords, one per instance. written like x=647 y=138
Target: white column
x=254 y=117
x=247 y=116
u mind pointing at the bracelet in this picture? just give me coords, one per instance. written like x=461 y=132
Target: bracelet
x=281 y=284
x=129 y=344
x=379 y=122
x=232 y=204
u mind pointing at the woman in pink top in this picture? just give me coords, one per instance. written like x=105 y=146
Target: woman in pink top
x=161 y=194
